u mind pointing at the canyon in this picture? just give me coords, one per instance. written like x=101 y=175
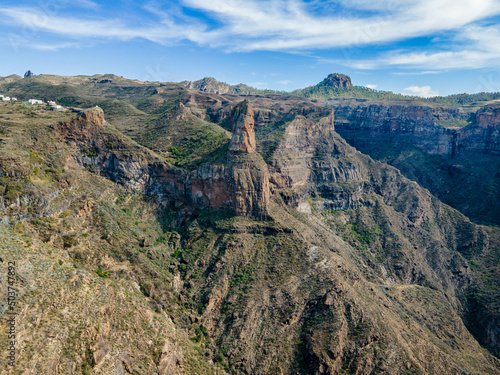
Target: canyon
x=163 y=228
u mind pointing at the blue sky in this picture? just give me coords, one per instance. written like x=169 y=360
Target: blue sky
x=422 y=47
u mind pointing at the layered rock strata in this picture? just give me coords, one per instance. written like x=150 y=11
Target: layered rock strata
x=434 y=130
x=241 y=185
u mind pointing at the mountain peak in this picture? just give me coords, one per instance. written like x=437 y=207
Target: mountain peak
x=336 y=80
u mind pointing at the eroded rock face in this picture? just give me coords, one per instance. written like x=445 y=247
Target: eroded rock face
x=249 y=183
x=422 y=126
x=292 y=159
x=243 y=184
x=94 y=115
x=484 y=135
x=242 y=120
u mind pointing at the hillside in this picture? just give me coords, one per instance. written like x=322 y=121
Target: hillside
x=174 y=231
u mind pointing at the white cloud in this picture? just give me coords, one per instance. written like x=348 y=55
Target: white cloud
x=38 y=21
x=370 y=86
x=474 y=47
x=87 y=4
x=297 y=26
x=423 y=91
x=280 y=25
x=284 y=82
x=277 y=25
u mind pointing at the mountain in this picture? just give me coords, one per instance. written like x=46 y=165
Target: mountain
x=175 y=231
x=211 y=85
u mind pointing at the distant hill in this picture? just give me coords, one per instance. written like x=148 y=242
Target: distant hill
x=211 y=85
x=10 y=79
x=338 y=86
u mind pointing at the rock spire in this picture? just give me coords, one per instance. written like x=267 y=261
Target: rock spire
x=242 y=120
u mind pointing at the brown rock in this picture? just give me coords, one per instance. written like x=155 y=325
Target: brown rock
x=94 y=115
x=170 y=359
x=242 y=120
x=338 y=81
x=101 y=351
x=249 y=181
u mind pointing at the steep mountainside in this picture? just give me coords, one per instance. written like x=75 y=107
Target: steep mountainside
x=274 y=248
x=454 y=152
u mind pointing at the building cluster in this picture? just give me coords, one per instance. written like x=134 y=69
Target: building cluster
x=8 y=99
x=50 y=103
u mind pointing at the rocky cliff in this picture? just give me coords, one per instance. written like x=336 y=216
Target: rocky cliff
x=484 y=134
x=435 y=130
x=450 y=151
x=241 y=185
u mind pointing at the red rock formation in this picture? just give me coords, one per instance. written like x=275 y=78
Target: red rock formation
x=243 y=140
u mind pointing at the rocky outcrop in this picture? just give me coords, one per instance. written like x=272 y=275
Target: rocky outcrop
x=28 y=74
x=211 y=85
x=293 y=158
x=243 y=183
x=336 y=81
x=310 y=161
x=242 y=121
x=484 y=134
x=93 y=115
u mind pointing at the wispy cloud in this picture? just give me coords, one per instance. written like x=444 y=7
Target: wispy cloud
x=285 y=25
x=86 y=4
x=39 y=21
x=296 y=26
x=371 y=86
x=53 y=47
x=474 y=47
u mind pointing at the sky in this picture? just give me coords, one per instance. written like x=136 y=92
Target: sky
x=417 y=47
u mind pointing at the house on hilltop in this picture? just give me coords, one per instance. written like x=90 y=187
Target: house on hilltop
x=35 y=101
x=6 y=99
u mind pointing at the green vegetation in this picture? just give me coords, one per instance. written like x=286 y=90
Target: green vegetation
x=197 y=143
x=356 y=92
x=101 y=273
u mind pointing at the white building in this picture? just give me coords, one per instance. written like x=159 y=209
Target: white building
x=6 y=99
x=51 y=103
x=56 y=106
x=35 y=101
x=13 y=99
